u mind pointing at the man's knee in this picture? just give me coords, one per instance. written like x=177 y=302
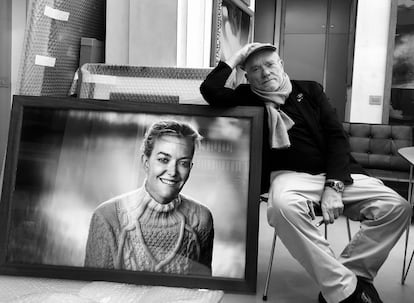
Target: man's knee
x=405 y=208
x=283 y=203
x=399 y=207
x=279 y=195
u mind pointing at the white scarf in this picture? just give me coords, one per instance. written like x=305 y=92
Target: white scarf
x=279 y=122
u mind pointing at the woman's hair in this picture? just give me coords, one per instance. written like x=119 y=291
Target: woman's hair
x=168 y=128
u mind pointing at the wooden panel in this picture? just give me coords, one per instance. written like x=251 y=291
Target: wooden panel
x=5 y=77
x=264 y=18
x=339 y=19
x=153 y=32
x=117 y=33
x=304 y=16
x=5 y=46
x=303 y=56
x=336 y=72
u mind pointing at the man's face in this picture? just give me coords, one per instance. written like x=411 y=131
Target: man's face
x=264 y=70
x=168 y=167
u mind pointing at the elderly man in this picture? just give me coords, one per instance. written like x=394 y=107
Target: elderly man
x=307 y=154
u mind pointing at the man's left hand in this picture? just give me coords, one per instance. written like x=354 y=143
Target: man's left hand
x=331 y=205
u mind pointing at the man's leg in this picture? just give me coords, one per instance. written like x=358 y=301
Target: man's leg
x=288 y=212
x=384 y=216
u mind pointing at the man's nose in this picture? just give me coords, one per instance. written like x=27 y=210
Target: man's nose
x=265 y=71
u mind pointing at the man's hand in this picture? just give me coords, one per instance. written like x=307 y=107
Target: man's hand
x=240 y=55
x=331 y=205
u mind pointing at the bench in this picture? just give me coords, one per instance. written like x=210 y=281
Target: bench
x=375 y=147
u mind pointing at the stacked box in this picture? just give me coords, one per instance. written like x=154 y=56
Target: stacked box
x=50 y=55
x=142 y=83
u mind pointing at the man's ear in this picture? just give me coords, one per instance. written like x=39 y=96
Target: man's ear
x=246 y=76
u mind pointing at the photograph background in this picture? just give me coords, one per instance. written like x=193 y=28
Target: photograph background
x=70 y=161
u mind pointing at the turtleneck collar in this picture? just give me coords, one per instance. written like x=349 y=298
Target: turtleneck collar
x=139 y=205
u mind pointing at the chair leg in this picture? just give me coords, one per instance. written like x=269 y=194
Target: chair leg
x=348 y=227
x=408 y=267
x=407 y=233
x=269 y=270
x=404 y=275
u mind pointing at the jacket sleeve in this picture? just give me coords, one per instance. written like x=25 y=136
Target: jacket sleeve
x=336 y=142
x=213 y=87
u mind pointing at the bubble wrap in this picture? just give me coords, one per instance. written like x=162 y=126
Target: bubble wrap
x=42 y=290
x=108 y=292
x=57 y=38
x=22 y=288
x=52 y=298
x=141 y=83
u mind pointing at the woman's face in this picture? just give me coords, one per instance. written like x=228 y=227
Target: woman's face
x=168 y=167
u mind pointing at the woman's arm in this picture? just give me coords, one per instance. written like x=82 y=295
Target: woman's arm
x=101 y=244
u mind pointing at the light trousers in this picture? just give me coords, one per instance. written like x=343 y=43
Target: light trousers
x=383 y=214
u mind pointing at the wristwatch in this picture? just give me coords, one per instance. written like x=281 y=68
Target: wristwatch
x=337 y=185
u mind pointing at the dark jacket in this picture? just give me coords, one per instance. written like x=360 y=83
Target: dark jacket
x=307 y=101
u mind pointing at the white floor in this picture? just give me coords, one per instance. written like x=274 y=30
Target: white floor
x=290 y=283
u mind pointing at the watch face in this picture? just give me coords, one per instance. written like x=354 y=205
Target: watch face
x=340 y=186
x=336 y=185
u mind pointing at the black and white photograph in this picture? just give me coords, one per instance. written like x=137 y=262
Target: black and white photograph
x=129 y=187
x=212 y=151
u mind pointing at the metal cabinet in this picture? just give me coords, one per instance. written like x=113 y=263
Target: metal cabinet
x=315 y=43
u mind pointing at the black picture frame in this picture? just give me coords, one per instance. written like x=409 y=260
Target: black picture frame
x=65 y=156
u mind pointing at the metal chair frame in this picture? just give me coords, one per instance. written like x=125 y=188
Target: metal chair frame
x=407 y=233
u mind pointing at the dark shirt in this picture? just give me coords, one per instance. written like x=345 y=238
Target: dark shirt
x=304 y=154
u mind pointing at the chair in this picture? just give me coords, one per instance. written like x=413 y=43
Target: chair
x=408 y=154
x=318 y=212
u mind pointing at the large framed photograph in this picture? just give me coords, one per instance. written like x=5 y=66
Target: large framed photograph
x=122 y=191
x=403 y=58
x=232 y=28
x=401 y=106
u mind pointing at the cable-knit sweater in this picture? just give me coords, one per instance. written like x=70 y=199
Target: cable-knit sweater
x=134 y=232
